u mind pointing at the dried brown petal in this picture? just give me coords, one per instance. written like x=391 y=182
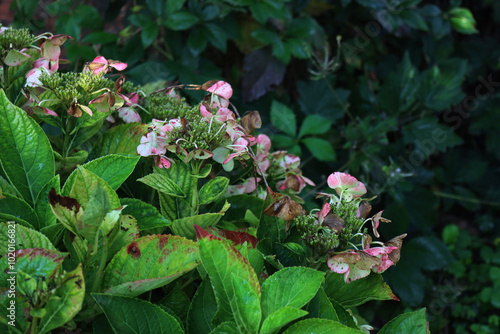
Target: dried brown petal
x=364 y=209
x=395 y=242
x=334 y=222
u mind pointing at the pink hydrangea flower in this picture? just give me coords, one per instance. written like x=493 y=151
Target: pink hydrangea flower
x=129 y=115
x=102 y=65
x=323 y=213
x=222 y=89
x=345 y=184
x=376 y=219
x=247 y=187
x=151 y=144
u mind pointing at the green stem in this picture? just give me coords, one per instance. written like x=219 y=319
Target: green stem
x=5 y=75
x=194 y=189
x=465 y=199
x=96 y=286
x=34 y=325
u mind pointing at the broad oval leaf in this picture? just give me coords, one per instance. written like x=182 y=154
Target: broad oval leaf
x=221 y=260
x=65 y=302
x=113 y=168
x=202 y=309
x=131 y=315
x=213 y=189
x=147 y=216
x=16 y=209
x=314 y=125
x=81 y=184
x=162 y=184
x=283 y=118
x=23 y=238
x=42 y=206
x=25 y=152
x=321 y=307
x=280 y=318
x=359 y=291
x=412 y=322
x=321 y=326
x=121 y=139
x=245 y=306
x=185 y=226
x=148 y=263
x=291 y=286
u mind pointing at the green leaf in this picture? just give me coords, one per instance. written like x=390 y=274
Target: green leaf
x=280 y=318
x=359 y=291
x=429 y=137
x=176 y=207
x=428 y=253
x=147 y=216
x=173 y=5
x=283 y=118
x=213 y=189
x=65 y=302
x=26 y=155
x=202 y=310
x=149 y=263
x=412 y=322
x=155 y=6
x=217 y=36
x=399 y=91
x=149 y=33
x=34 y=262
x=113 y=168
x=181 y=21
x=42 y=206
x=317 y=98
x=162 y=184
x=227 y=327
x=414 y=19
x=345 y=317
x=131 y=315
x=292 y=286
x=16 y=209
x=197 y=40
x=441 y=86
x=221 y=261
x=185 y=226
x=94 y=214
x=81 y=184
x=245 y=305
x=314 y=125
x=23 y=238
x=320 y=326
x=121 y=139
x=463 y=21
x=321 y=307
x=320 y=148
x=100 y=37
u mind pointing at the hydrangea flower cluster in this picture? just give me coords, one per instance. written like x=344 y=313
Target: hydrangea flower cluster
x=212 y=130
x=335 y=229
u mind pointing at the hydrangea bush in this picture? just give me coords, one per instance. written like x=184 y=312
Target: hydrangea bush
x=129 y=211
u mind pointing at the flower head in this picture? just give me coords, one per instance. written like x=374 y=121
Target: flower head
x=345 y=184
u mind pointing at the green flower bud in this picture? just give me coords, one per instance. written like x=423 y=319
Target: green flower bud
x=462 y=20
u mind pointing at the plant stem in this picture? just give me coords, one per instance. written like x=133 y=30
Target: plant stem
x=96 y=286
x=34 y=325
x=194 y=189
x=5 y=75
x=465 y=199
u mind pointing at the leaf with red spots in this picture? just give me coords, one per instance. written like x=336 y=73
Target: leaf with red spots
x=239 y=237
x=149 y=263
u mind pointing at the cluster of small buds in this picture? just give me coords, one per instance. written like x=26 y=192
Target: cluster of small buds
x=335 y=228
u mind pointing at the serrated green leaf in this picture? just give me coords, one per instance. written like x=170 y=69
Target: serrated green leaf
x=321 y=307
x=23 y=238
x=345 y=318
x=202 y=310
x=181 y=21
x=121 y=139
x=314 y=124
x=35 y=262
x=292 y=286
x=81 y=184
x=42 y=206
x=320 y=148
x=26 y=155
x=147 y=216
x=227 y=327
x=148 y=263
x=213 y=189
x=135 y=316
x=280 y=318
x=283 y=118
x=359 y=291
x=16 y=209
x=93 y=217
x=245 y=305
x=320 y=326
x=412 y=322
x=113 y=168
x=185 y=226
x=220 y=260
x=65 y=302
x=162 y=184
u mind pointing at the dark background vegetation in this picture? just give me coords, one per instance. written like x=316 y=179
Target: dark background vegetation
x=408 y=104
